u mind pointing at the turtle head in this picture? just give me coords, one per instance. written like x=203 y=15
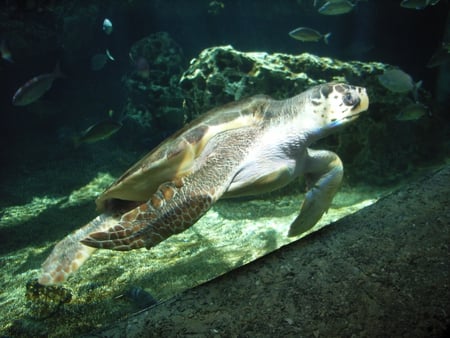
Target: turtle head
x=332 y=105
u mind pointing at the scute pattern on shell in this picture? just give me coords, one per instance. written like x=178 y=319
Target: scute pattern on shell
x=175 y=157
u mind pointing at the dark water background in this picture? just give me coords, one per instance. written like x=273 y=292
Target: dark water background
x=45 y=32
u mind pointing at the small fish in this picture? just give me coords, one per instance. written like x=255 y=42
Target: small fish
x=4 y=51
x=98 y=61
x=308 y=34
x=418 y=4
x=140 y=298
x=322 y=2
x=109 y=55
x=107 y=26
x=412 y=112
x=397 y=81
x=337 y=7
x=97 y=132
x=36 y=87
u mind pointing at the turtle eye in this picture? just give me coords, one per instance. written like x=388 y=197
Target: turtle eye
x=351 y=99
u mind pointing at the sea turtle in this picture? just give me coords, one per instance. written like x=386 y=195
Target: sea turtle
x=244 y=148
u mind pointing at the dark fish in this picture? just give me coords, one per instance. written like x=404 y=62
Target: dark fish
x=4 y=51
x=308 y=34
x=418 y=4
x=35 y=88
x=439 y=57
x=97 y=132
x=139 y=297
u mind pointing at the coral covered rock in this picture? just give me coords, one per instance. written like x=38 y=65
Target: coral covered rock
x=154 y=98
x=223 y=74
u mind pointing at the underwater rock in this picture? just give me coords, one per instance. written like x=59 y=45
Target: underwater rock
x=222 y=74
x=154 y=99
x=45 y=300
x=377 y=150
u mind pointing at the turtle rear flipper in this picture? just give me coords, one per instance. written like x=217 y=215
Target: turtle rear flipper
x=168 y=212
x=178 y=204
x=323 y=172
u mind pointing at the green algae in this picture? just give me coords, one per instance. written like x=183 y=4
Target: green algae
x=231 y=234
x=18 y=214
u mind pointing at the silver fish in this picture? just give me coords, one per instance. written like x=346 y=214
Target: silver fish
x=397 y=81
x=308 y=34
x=322 y=2
x=412 y=112
x=36 y=87
x=418 y=4
x=336 y=7
x=109 y=55
x=97 y=132
x=107 y=26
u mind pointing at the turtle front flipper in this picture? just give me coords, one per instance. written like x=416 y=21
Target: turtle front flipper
x=178 y=204
x=323 y=172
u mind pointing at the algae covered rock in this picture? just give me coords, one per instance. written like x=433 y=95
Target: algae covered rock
x=223 y=74
x=154 y=98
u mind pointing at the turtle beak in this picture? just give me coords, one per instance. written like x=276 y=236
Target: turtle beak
x=363 y=101
x=360 y=103
x=357 y=102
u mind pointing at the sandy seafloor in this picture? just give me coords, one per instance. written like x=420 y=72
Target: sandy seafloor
x=383 y=271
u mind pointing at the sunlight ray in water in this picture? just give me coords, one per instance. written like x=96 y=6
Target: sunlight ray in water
x=18 y=214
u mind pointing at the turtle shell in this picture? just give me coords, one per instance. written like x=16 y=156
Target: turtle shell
x=177 y=156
